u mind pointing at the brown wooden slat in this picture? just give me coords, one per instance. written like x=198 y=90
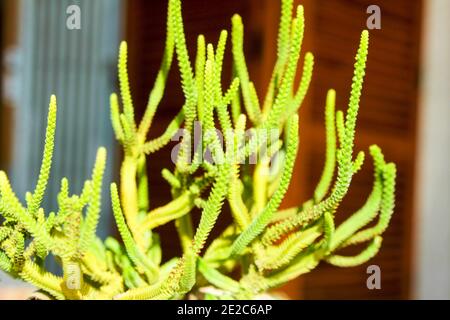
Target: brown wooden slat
x=387 y=117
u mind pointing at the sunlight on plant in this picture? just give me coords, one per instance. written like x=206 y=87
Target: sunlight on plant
x=264 y=247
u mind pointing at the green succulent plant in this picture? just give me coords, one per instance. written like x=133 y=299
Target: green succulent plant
x=264 y=246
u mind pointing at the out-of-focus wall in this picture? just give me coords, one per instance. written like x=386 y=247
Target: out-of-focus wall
x=432 y=267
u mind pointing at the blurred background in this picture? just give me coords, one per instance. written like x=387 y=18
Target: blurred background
x=405 y=109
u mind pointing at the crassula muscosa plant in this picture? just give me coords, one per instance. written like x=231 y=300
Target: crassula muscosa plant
x=264 y=246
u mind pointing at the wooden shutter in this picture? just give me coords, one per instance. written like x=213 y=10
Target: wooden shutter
x=387 y=118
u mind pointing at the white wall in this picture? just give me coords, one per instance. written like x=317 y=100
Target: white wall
x=432 y=264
